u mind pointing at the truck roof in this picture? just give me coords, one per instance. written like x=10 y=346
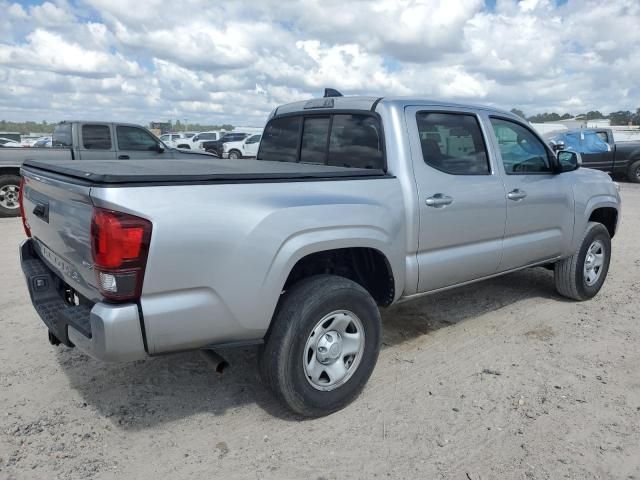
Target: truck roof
x=371 y=103
x=99 y=122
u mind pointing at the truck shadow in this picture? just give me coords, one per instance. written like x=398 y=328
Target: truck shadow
x=152 y=392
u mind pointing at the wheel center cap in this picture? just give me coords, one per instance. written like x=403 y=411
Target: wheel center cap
x=329 y=347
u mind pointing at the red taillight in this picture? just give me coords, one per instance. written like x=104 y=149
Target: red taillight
x=25 y=225
x=119 y=244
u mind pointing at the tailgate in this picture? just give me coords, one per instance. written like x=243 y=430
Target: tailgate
x=59 y=213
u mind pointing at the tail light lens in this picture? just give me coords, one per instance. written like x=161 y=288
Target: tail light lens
x=120 y=245
x=25 y=224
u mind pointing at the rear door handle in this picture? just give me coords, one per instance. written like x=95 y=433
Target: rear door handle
x=123 y=157
x=439 y=200
x=516 y=194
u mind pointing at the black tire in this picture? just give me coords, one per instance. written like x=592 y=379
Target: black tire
x=9 y=188
x=235 y=154
x=633 y=173
x=569 y=273
x=298 y=313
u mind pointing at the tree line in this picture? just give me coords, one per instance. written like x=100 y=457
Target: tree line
x=621 y=117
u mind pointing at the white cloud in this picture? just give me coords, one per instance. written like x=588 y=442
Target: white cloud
x=235 y=61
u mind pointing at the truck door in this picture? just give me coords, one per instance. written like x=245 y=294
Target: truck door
x=540 y=205
x=136 y=142
x=95 y=142
x=250 y=146
x=461 y=198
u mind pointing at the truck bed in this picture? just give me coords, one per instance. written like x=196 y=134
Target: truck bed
x=182 y=171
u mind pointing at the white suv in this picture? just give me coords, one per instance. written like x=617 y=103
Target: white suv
x=198 y=138
x=243 y=149
x=178 y=139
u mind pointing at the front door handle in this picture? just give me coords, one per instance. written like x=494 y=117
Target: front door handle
x=516 y=194
x=123 y=157
x=439 y=200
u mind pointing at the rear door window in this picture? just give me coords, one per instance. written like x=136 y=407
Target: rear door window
x=453 y=143
x=96 y=137
x=280 y=140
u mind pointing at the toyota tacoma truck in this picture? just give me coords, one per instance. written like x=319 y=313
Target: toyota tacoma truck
x=351 y=205
x=81 y=141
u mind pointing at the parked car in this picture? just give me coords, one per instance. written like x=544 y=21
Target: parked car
x=246 y=148
x=353 y=203
x=13 y=136
x=82 y=141
x=215 y=146
x=177 y=140
x=600 y=151
x=43 y=142
x=196 y=141
x=7 y=142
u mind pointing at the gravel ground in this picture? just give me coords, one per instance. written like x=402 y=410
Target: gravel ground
x=503 y=379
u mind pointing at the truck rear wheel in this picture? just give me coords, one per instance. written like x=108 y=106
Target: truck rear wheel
x=633 y=174
x=581 y=276
x=9 y=199
x=322 y=345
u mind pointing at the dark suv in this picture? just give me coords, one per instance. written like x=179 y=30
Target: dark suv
x=215 y=146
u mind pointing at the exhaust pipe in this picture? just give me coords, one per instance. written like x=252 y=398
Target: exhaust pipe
x=216 y=361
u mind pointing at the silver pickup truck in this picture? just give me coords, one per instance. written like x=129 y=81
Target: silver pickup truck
x=353 y=203
x=82 y=140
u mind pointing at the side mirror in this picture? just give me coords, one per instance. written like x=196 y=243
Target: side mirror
x=569 y=161
x=559 y=145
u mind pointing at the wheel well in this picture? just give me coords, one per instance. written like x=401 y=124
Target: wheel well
x=10 y=171
x=607 y=216
x=236 y=150
x=365 y=266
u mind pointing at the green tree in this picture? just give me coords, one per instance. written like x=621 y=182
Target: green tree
x=622 y=117
x=518 y=112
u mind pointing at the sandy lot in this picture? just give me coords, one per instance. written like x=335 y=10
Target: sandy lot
x=503 y=379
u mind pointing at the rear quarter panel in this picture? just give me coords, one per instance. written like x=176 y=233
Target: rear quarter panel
x=220 y=254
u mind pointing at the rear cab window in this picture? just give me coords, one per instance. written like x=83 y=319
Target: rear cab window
x=349 y=140
x=62 y=136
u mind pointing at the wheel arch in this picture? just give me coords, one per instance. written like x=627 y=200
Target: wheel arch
x=607 y=216
x=367 y=258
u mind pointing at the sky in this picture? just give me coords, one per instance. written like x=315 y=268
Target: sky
x=234 y=61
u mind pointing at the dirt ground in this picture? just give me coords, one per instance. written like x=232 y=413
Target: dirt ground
x=503 y=379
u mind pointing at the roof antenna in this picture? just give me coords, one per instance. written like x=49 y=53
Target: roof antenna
x=332 y=92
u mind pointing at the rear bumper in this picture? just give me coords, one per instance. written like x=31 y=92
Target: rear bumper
x=107 y=332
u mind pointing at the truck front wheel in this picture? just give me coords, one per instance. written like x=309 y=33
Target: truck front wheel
x=9 y=199
x=633 y=175
x=581 y=276
x=322 y=345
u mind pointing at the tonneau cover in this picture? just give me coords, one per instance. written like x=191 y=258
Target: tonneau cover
x=197 y=170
